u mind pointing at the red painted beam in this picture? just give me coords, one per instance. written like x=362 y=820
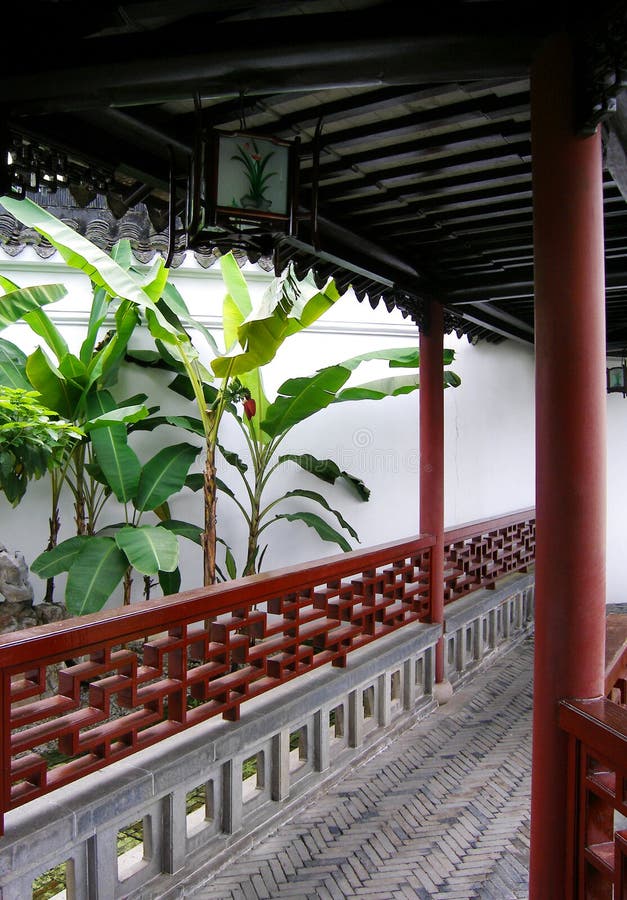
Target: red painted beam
x=570 y=443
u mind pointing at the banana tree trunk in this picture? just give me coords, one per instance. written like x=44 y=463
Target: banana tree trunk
x=54 y=525
x=253 y=544
x=209 y=537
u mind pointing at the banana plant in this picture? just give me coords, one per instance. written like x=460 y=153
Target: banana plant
x=97 y=563
x=266 y=424
x=298 y=399
x=76 y=385
x=252 y=340
x=65 y=382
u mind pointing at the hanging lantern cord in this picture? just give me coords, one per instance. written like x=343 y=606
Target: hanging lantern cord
x=171 y=213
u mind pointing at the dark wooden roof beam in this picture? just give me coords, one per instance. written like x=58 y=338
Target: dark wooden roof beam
x=436 y=219
x=415 y=210
x=128 y=72
x=513 y=172
x=451 y=115
x=496 y=320
x=457 y=140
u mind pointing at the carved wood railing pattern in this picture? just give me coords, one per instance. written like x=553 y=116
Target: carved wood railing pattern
x=477 y=554
x=128 y=678
x=596 y=865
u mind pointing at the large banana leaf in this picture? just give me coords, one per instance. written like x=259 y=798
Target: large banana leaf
x=80 y=253
x=399 y=357
x=15 y=305
x=73 y=370
x=326 y=470
x=175 y=302
x=283 y=311
x=263 y=339
x=94 y=575
x=164 y=475
x=149 y=549
x=126 y=414
x=56 y=392
x=299 y=398
x=380 y=388
x=39 y=322
x=153 y=281
x=323 y=529
x=61 y=558
x=236 y=307
x=108 y=358
x=312 y=303
x=13 y=366
x=97 y=314
x=237 y=303
x=121 y=254
x=322 y=501
x=187 y=423
x=170 y=582
x=118 y=462
x=7 y=285
x=253 y=382
x=183 y=529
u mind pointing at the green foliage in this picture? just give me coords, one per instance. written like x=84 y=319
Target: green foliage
x=96 y=564
x=298 y=399
x=33 y=440
x=78 y=388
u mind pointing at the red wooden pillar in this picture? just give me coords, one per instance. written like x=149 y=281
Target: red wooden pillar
x=570 y=443
x=432 y=460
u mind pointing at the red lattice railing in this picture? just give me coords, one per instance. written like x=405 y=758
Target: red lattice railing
x=596 y=865
x=131 y=677
x=82 y=693
x=477 y=554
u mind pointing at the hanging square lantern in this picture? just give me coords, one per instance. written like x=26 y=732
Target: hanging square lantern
x=243 y=182
x=617 y=379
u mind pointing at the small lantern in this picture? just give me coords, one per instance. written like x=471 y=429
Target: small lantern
x=242 y=183
x=617 y=379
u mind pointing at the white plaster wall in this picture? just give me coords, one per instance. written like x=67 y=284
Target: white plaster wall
x=616 y=497
x=489 y=466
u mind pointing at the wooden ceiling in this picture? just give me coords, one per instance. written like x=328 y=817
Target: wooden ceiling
x=418 y=116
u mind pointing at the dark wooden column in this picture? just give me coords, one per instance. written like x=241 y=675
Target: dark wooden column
x=432 y=460
x=570 y=442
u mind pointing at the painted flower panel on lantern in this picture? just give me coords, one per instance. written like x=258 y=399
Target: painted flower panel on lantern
x=253 y=174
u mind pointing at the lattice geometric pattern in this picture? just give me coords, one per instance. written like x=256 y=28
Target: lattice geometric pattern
x=136 y=687
x=475 y=558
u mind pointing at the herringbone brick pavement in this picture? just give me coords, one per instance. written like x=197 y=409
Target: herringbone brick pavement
x=441 y=812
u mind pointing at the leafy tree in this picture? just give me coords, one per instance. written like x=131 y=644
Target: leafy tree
x=298 y=399
x=265 y=424
x=252 y=337
x=33 y=441
x=77 y=386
